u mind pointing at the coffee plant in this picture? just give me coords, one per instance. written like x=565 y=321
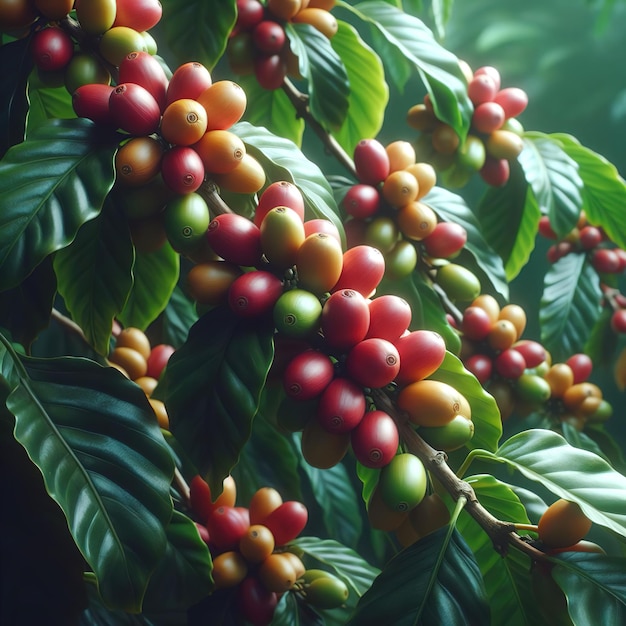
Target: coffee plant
x=259 y=358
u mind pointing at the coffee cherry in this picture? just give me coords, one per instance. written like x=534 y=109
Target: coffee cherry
x=362 y=270
x=605 y=260
x=416 y=220
x=513 y=101
x=263 y=502
x=279 y=193
x=182 y=169
x=345 y=319
x=476 y=323
x=430 y=402
x=134 y=338
x=186 y=219
x=321 y=448
x=85 y=69
x=52 y=48
x=402 y=482
x=307 y=375
x=510 y=363
x=131 y=361
x=382 y=517
x=445 y=139
x=257 y=544
x=361 y=201
x=502 y=335
x=138 y=161
x=495 y=172
x=143 y=69
x=371 y=161
x=95 y=16
x=282 y=234
x=229 y=568
x=255 y=602
x=400 y=188
x=482 y=88
x=560 y=377
x=119 y=41
x=225 y=103
x=516 y=315
x=375 y=439
x=254 y=293
x=297 y=313
x=134 y=109
x=532 y=351
x=451 y=436
x=226 y=527
x=235 y=238
x=401 y=260
x=277 y=573
x=159 y=356
x=270 y=71
x=247 y=177
x=504 y=144
x=390 y=316
x=421 y=353
x=319 y=261
x=189 y=80
x=140 y=15
x=208 y=283
x=269 y=37
x=445 y=241
x=92 y=102
x=562 y=524
x=581 y=365
x=249 y=14
x=287 y=521
x=459 y=283
x=54 y=10
x=327 y=592
x=341 y=406
x=481 y=366
x=373 y=362
x=321 y=19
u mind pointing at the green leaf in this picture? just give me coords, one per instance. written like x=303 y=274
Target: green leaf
x=272 y=109
x=570 y=305
x=369 y=477
x=16 y=63
x=570 y=473
x=98 y=614
x=507 y=579
x=451 y=207
x=357 y=573
x=94 y=275
x=94 y=437
x=325 y=74
x=335 y=494
x=438 y=68
x=268 y=458
x=369 y=92
x=212 y=388
x=433 y=581
x=485 y=413
x=178 y=317
x=282 y=160
x=197 y=30
x=593 y=584
x=183 y=576
x=509 y=216
x=553 y=177
x=604 y=190
x=47 y=103
x=155 y=276
x=49 y=186
x=25 y=309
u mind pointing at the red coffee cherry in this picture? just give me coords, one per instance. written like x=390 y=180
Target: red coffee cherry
x=375 y=440
x=341 y=406
x=373 y=362
x=371 y=161
x=235 y=238
x=254 y=293
x=308 y=374
x=52 y=49
x=345 y=319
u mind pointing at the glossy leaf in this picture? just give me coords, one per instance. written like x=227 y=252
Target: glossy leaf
x=291 y=610
x=198 y=30
x=98 y=614
x=369 y=93
x=570 y=473
x=554 y=179
x=49 y=186
x=282 y=160
x=25 y=310
x=15 y=66
x=178 y=317
x=451 y=207
x=183 y=576
x=95 y=439
x=579 y=439
x=593 y=584
x=272 y=109
x=344 y=562
x=509 y=216
x=333 y=491
x=485 y=413
x=268 y=458
x=327 y=79
x=445 y=586
x=149 y=295
x=95 y=275
x=438 y=68
x=369 y=477
x=46 y=103
x=601 y=345
x=604 y=190
x=507 y=579
x=212 y=388
x=570 y=305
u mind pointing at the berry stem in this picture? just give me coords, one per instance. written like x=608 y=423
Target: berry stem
x=210 y=193
x=300 y=102
x=502 y=534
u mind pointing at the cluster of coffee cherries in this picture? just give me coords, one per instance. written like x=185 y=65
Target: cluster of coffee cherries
x=134 y=356
x=250 y=550
x=178 y=135
x=258 y=43
x=113 y=28
x=495 y=136
x=386 y=210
